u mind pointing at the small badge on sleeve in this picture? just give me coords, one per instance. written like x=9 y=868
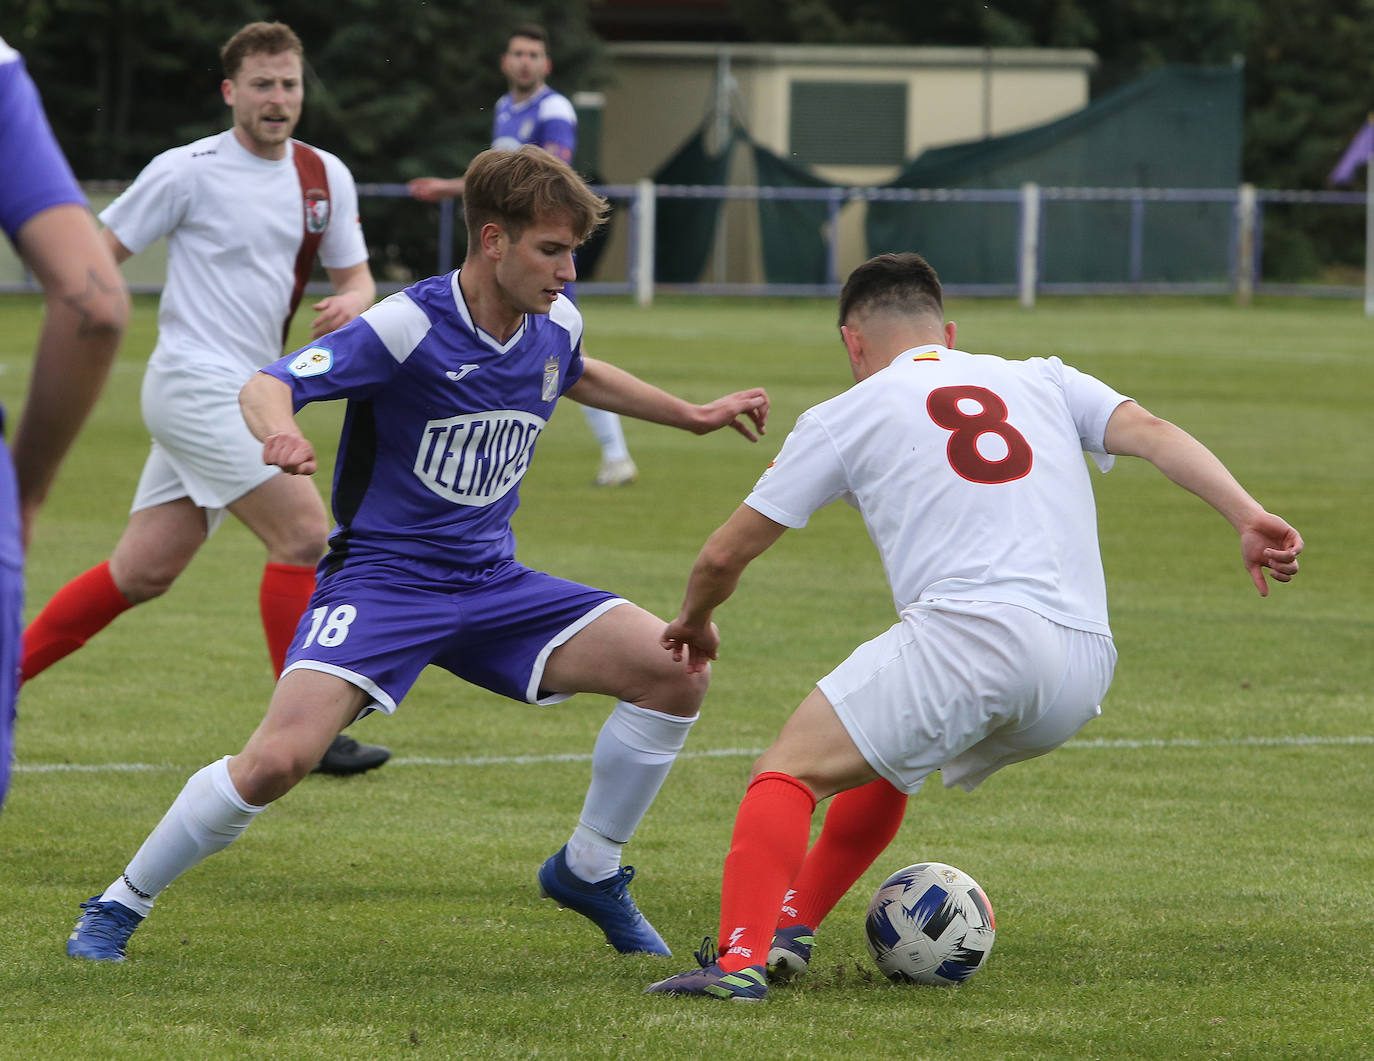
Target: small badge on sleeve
x=550 y=391
x=311 y=362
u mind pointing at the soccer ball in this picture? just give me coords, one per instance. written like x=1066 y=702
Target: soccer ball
x=930 y=924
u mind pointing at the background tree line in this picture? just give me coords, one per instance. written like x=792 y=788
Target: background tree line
x=401 y=88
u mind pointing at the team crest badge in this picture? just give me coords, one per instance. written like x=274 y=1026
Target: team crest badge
x=550 y=391
x=316 y=210
x=311 y=362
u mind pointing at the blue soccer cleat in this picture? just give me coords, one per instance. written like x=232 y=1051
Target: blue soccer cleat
x=606 y=903
x=102 y=931
x=749 y=984
x=790 y=954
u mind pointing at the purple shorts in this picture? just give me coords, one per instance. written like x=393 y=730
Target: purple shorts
x=378 y=624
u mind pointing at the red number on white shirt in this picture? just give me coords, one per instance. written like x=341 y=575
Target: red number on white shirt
x=966 y=428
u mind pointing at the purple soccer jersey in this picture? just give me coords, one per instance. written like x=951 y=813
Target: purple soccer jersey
x=441 y=423
x=36 y=173
x=547 y=119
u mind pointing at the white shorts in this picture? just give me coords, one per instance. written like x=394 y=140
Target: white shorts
x=968 y=687
x=201 y=449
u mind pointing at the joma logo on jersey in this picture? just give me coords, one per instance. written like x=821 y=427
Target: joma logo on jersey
x=477 y=458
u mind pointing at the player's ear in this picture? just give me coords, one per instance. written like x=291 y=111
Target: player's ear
x=853 y=342
x=226 y=90
x=950 y=330
x=493 y=240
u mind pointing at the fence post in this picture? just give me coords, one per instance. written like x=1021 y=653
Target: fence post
x=1029 y=263
x=1247 y=208
x=644 y=242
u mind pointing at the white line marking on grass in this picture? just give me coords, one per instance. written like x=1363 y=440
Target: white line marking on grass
x=1227 y=742
x=1296 y=741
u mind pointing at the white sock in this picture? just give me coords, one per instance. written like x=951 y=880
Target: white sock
x=610 y=435
x=206 y=817
x=591 y=856
x=633 y=753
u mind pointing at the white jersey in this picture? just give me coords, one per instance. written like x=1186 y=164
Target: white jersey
x=233 y=223
x=968 y=471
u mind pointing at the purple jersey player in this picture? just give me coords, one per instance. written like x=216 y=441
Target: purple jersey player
x=533 y=113
x=545 y=118
x=449 y=385
x=44 y=214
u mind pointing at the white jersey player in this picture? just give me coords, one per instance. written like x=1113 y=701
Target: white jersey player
x=233 y=225
x=245 y=213
x=969 y=473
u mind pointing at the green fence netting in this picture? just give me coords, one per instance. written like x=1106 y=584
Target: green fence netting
x=794 y=231
x=685 y=229
x=1179 y=127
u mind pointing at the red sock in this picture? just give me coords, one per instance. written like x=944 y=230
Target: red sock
x=79 y=610
x=858 y=827
x=768 y=846
x=282 y=598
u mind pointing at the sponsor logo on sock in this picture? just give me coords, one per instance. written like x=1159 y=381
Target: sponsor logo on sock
x=134 y=888
x=787 y=907
x=732 y=945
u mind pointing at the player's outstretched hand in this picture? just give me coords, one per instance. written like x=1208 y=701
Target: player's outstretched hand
x=435 y=189
x=738 y=410
x=333 y=312
x=293 y=454
x=700 y=644
x=1268 y=542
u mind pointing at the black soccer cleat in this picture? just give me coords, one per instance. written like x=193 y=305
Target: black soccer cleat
x=346 y=756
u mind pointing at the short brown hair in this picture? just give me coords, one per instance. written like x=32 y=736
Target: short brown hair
x=903 y=283
x=515 y=188
x=258 y=38
x=530 y=31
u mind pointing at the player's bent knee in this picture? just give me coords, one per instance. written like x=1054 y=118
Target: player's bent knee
x=303 y=548
x=264 y=775
x=683 y=692
x=145 y=585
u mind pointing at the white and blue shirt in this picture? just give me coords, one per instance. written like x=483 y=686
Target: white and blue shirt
x=441 y=424
x=545 y=118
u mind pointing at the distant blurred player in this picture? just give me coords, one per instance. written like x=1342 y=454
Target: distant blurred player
x=86 y=309
x=533 y=113
x=450 y=385
x=245 y=212
x=968 y=471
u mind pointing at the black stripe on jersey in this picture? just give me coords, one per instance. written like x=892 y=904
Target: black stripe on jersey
x=357 y=462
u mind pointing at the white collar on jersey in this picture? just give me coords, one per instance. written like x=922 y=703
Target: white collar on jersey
x=482 y=336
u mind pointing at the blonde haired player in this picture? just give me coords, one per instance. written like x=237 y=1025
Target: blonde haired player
x=450 y=384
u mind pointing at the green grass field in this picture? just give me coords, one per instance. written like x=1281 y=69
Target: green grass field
x=1190 y=878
